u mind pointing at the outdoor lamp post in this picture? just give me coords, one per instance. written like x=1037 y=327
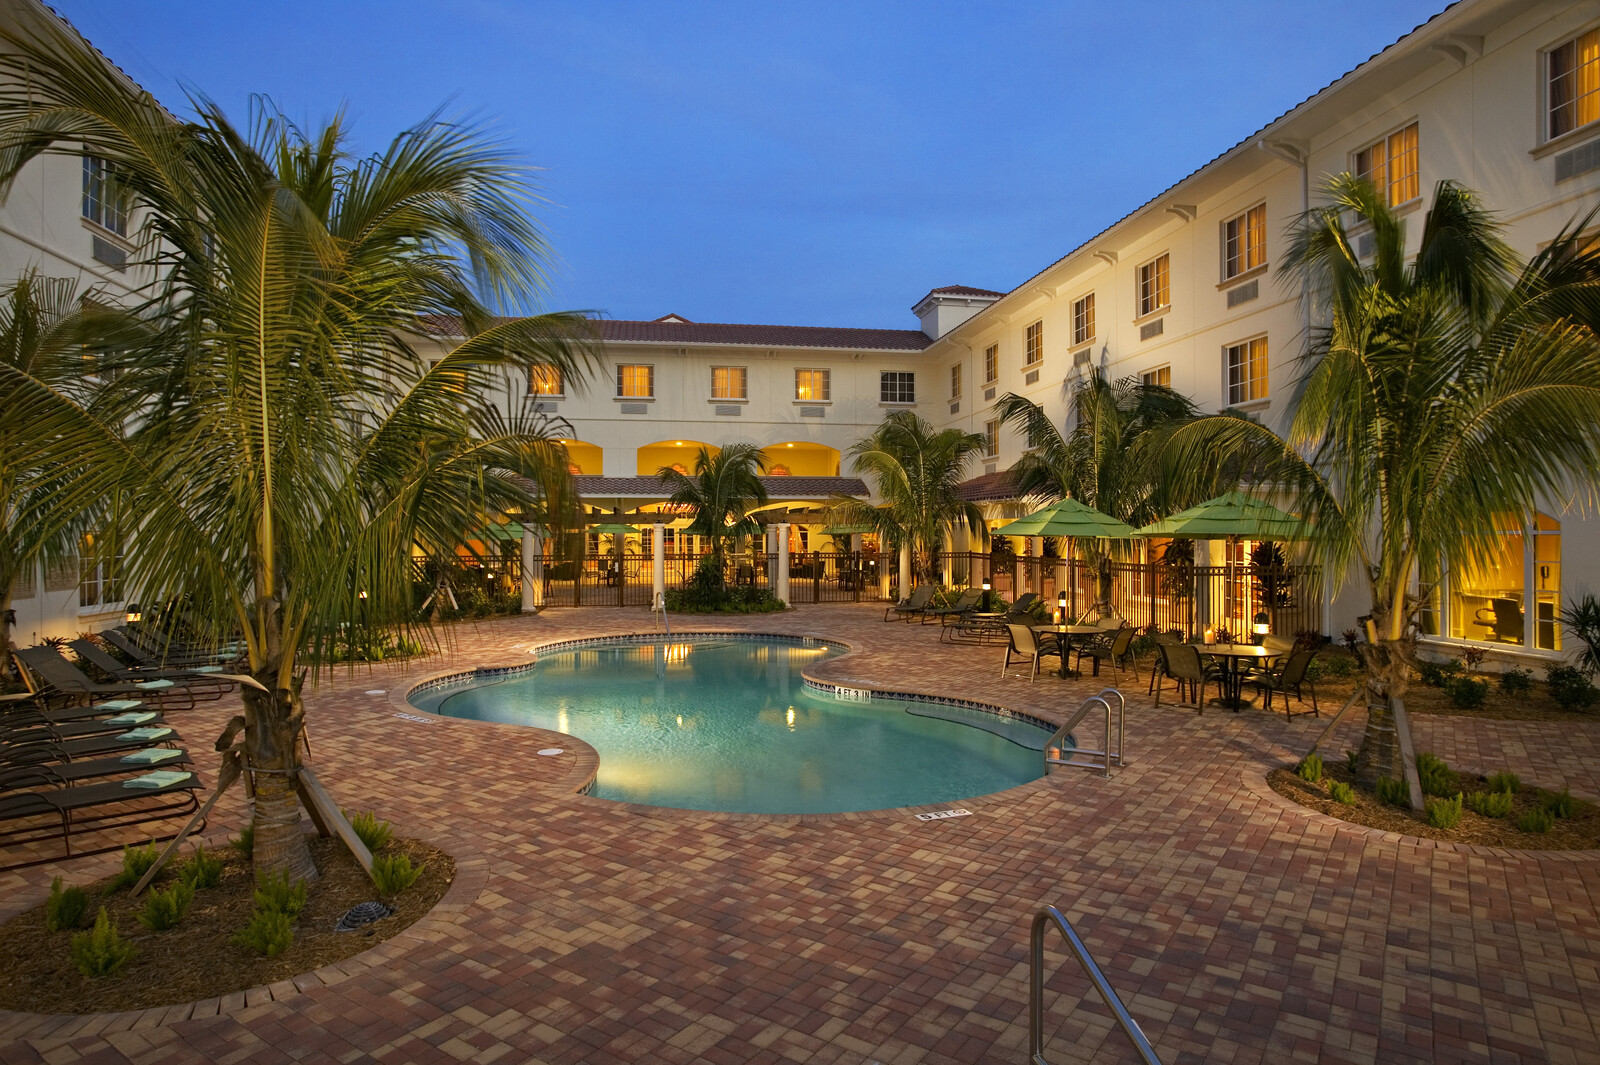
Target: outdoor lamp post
x=985 y=607
x=1261 y=625
x=1061 y=604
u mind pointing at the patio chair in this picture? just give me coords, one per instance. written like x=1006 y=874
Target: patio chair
x=32 y=775
x=1025 y=643
x=65 y=681
x=1117 y=649
x=1291 y=677
x=88 y=747
x=1184 y=666
x=20 y=729
x=1023 y=604
x=90 y=653
x=121 y=642
x=93 y=808
x=911 y=606
x=966 y=602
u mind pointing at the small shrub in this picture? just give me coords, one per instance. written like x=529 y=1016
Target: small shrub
x=1341 y=793
x=1505 y=781
x=1350 y=638
x=270 y=932
x=1570 y=688
x=164 y=909
x=1352 y=759
x=101 y=951
x=136 y=861
x=1310 y=768
x=66 y=907
x=1434 y=775
x=245 y=844
x=1444 y=813
x=1393 y=792
x=1516 y=681
x=1472 y=658
x=1490 y=803
x=1468 y=693
x=1540 y=821
x=1339 y=665
x=274 y=893
x=201 y=871
x=373 y=832
x=1558 y=803
x=393 y=873
x=1438 y=674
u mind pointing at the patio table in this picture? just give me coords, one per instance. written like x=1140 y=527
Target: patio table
x=1233 y=657
x=1064 y=634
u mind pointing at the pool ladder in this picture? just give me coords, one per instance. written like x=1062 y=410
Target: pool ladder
x=658 y=606
x=1107 y=759
x=1130 y=1027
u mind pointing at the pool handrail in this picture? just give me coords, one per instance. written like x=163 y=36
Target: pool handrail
x=1106 y=755
x=1130 y=1027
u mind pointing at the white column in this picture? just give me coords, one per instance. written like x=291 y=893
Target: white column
x=905 y=568
x=532 y=570
x=1019 y=575
x=783 y=561
x=949 y=541
x=658 y=561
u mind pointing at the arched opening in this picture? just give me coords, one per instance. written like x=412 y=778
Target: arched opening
x=801 y=458
x=676 y=454
x=582 y=458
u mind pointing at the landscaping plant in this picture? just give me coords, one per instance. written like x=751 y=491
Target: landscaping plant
x=1341 y=793
x=1571 y=688
x=1444 y=813
x=1538 y=821
x=270 y=933
x=1468 y=693
x=201 y=871
x=1435 y=775
x=1558 y=803
x=65 y=908
x=393 y=873
x=136 y=861
x=1491 y=803
x=1505 y=781
x=276 y=894
x=1516 y=681
x=373 y=832
x=164 y=909
x=101 y=951
x=1310 y=768
x=1393 y=792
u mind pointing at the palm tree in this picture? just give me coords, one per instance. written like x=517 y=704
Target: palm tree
x=290 y=444
x=1109 y=460
x=917 y=473
x=723 y=491
x=1441 y=395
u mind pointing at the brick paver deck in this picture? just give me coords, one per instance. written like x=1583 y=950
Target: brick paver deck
x=1237 y=927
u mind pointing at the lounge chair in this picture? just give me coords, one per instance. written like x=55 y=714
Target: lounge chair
x=1023 y=604
x=90 y=653
x=965 y=603
x=88 y=747
x=59 y=679
x=33 y=775
x=93 y=808
x=1116 y=649
x=120 y=641
x=1290 y=677
x=21 y=729
x=1025 y=643
x=911 y=606
x=1183 y=665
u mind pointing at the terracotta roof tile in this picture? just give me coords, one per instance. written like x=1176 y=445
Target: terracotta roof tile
x=590 y=486
x=989 y=487
x=773 y=336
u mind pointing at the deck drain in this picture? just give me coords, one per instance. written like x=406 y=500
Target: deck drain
x=363 y=913
x=548 y=751
x=375 y=691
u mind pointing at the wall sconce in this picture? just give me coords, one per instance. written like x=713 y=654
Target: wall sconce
x=134 y=614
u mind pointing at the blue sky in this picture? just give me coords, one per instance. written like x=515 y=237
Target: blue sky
x=807 y=163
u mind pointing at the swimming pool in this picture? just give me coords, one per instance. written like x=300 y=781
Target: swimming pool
x=723 y=724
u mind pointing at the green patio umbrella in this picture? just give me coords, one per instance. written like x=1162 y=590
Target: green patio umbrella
x=613 y=529
x=509 y=530
x=1230 y=516
x=1072 y=520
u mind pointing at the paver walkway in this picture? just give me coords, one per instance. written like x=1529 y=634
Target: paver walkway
x=1238 y=928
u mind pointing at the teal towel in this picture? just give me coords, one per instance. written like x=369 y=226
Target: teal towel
x=164 y=778
x=155 y=684
x=151 y=756
x=206 y=669
x=140 y=735
x=135 y=718
x=119 y=704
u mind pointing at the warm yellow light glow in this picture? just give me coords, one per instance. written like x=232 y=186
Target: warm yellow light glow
x=789 y=719
x=788 y=445
x=680 y=720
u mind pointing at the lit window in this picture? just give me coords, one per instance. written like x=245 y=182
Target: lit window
x=1489 y=598
x=955 y=381
x=730 y=382
x=1244 y=242
x=1035 y=344
x=1083 y=320
x=104 y=202
x=1391 y=165
x=991 y=439
x=1155 y=293
x=991 y=363
x=896 y=386
x=1160 y=377
x=811 y=385
x=1247 y=371
x=636 y=382
x=1575 y=83
x=544 y=381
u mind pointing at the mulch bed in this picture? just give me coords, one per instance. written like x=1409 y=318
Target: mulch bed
x=1579 y=832
x=196 y=960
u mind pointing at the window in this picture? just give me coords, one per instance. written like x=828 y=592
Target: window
x=1035 y=344
x=730 y=382
x=955 y=381
x=544 y=380
x=897 y=386
x=104 y=203
x=98 y=582
x=1247 y=371
x=1160 y=377
x=1244 y=242
x=1496 y=598
x=1391 y=166
x=811 y=385
x=1574 y=99
x=1083 y=320
x=1155 y=294
x=991 y=439
x=991 y=363
x=636 y=382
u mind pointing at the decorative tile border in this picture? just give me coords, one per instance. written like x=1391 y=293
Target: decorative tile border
x=827 y=688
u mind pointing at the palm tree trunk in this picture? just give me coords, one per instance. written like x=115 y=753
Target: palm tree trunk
x=273 y=720
x=5 y=626
x=1388 y=672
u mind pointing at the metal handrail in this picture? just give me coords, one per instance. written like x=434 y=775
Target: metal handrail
x=1104 y=765
x=1108 y=994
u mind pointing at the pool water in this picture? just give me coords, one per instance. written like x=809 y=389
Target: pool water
x=729 y=725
